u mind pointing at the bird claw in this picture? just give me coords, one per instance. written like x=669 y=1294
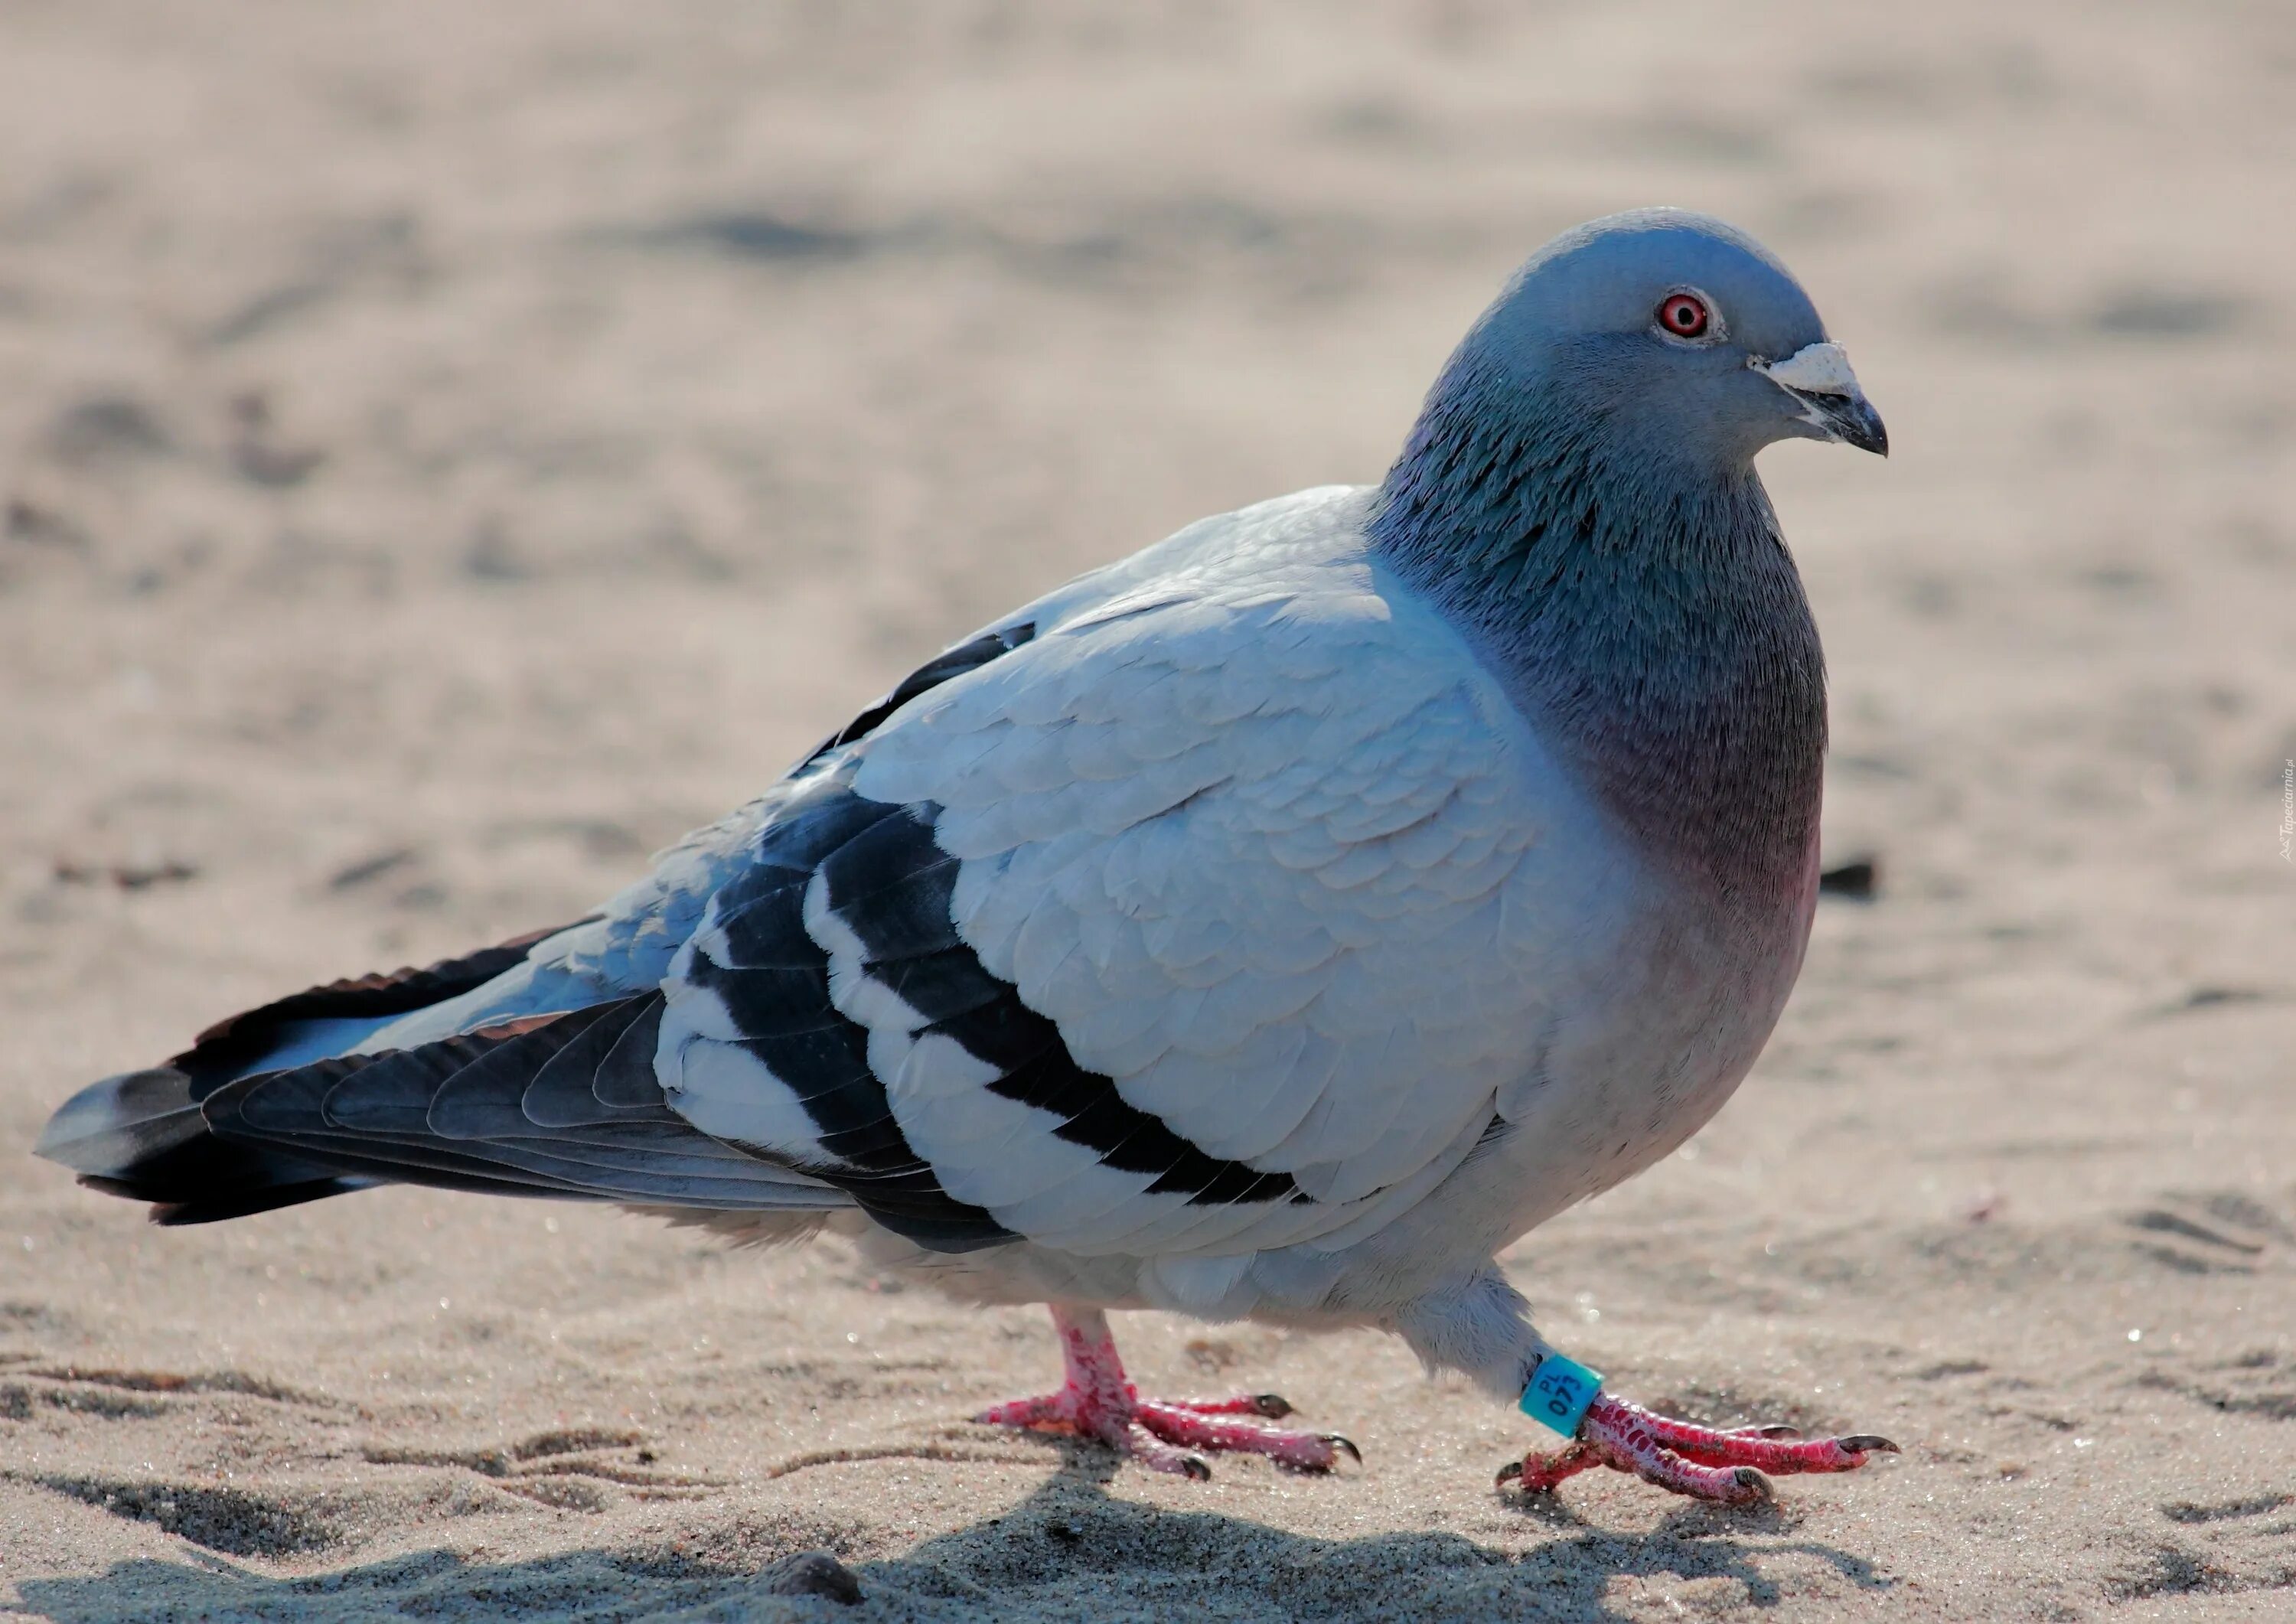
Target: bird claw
x=1165 y=1435
x=1207 y=1425
x=1334 y=1444
x=1099 y=1403
x=1729 y=1467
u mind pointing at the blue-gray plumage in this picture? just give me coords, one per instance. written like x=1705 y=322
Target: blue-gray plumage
x=1275 y=924
x=1579 y=492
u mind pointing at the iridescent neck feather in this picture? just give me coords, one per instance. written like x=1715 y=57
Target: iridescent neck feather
x=1642 y=607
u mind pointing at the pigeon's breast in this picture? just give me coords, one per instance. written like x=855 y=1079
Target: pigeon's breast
x=1694 y=731
x=1661 y=994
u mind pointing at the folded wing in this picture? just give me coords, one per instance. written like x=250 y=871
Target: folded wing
x=1183 y=930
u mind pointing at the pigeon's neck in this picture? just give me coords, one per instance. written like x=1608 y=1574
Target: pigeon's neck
x=1645 y=615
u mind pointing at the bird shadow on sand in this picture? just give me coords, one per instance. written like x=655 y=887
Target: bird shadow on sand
x=1069 y=1550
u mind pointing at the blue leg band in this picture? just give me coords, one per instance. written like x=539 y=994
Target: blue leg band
x=1559 y=1393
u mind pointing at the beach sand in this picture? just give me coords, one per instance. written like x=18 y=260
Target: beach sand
x=449 y=451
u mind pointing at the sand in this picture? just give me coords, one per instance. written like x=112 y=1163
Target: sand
x=447 y=451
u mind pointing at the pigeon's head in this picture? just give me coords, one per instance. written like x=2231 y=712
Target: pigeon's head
x=1677 y=330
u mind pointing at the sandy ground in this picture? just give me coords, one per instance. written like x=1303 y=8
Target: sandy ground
x=447 y=451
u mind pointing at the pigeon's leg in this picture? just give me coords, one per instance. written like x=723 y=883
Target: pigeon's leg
x=1690 y=1460
x=1099 y=1402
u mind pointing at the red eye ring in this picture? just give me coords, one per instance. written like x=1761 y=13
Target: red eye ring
x=1684 y=314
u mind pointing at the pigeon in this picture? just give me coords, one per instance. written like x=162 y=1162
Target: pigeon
x=1274 y=925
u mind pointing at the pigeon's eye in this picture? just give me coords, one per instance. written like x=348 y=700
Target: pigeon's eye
x=1684 y=314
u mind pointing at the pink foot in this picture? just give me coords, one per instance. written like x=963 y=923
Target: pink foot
x=1098 y=1402
x=1699 y=1462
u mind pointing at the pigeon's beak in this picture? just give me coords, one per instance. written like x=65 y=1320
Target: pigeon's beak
x=1818 y=376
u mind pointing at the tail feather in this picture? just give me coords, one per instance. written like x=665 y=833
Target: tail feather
x=562 y=1104
x=141 y=1135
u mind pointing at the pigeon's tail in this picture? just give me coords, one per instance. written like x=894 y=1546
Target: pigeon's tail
x=563 y=1103
x=142 y=1135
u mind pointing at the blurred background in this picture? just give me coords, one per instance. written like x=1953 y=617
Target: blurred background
x=447 y=451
